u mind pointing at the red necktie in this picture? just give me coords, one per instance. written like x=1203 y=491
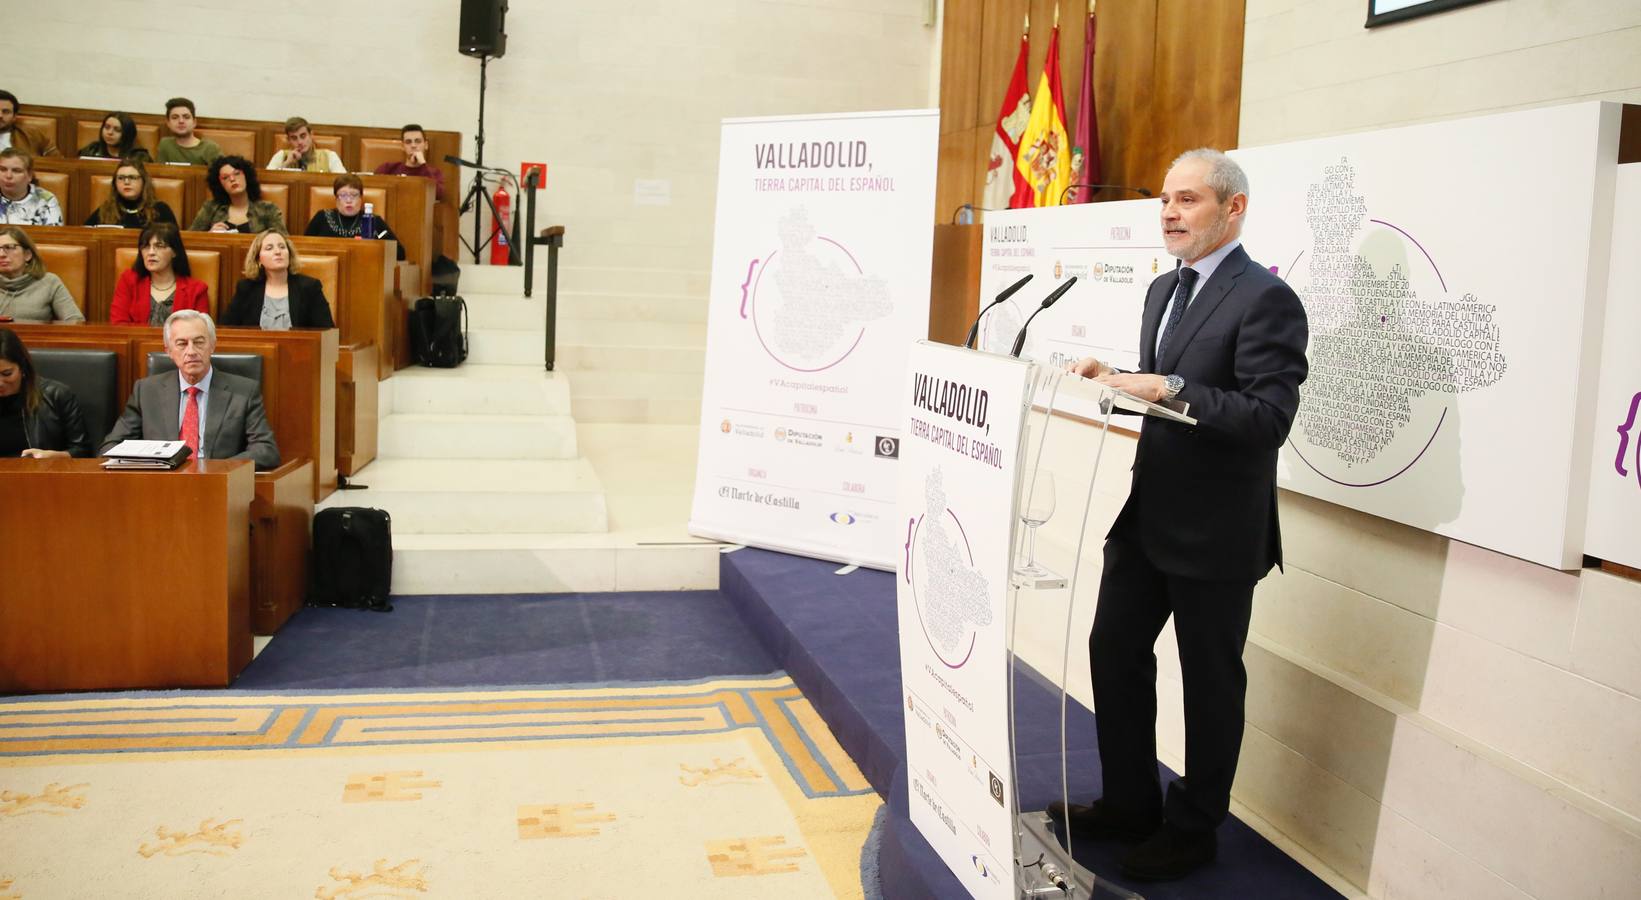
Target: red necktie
x=190 y=422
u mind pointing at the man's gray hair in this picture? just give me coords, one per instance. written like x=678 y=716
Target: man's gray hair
x=1224 y=175
x=190 y=315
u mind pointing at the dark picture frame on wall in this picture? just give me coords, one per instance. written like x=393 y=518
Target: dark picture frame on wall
x=1384 y=12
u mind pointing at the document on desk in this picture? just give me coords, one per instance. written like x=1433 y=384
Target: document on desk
x=146 y=455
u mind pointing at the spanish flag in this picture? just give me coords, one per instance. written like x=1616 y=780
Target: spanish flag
x=1045 y=150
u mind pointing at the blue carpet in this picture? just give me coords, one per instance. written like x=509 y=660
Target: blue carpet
x=837 y=637
x=474 y=641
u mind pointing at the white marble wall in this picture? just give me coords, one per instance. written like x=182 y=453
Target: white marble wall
x=607 y=93
x=1309 y=68
x=1427 y=718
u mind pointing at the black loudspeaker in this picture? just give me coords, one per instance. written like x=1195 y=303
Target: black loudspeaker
x=482 y=28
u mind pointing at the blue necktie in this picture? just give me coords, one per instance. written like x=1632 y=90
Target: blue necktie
x=1182 y=296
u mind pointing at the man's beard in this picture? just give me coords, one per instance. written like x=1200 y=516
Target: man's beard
x=1205 y=241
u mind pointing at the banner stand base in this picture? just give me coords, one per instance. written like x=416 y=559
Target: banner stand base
x=1045 y=871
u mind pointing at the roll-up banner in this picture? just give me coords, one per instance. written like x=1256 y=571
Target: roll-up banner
x=963 y=414
x=820 y=287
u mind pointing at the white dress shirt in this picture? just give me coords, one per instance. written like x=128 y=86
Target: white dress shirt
x=1205 y=268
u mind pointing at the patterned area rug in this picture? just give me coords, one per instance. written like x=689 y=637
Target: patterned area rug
x=724 y=788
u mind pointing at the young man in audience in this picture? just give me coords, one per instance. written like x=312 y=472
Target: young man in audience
x=15 y=135
x=183 y=146
x=414 y=140
x=217 y=414
x=301 y=154
x=22 y=202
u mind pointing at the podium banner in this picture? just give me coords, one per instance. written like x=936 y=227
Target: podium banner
x=963 y=419
x=820 y=286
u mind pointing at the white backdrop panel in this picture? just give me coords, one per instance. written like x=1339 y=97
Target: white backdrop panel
x=1454 y=276
x=820 y=286
x=1113 y=249
x=1614 y=531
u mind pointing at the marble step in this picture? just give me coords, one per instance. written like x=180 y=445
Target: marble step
x=482 y=496
x=610 y=357
x=621 y=279
x=451 y=436
x=479 y=389
x=612 y=396
x=626 y=306
x=547 y=563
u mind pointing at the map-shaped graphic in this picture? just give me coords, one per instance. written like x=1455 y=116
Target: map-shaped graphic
x=1390 y=346
x=952 y=599
x=809 y=301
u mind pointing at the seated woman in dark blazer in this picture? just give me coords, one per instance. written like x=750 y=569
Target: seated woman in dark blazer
x=272 y=295
x=116 y=139
x=159 y=283
x=130 y=202
x=39 y=418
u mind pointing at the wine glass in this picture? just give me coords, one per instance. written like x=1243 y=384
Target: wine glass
x=1039 y=508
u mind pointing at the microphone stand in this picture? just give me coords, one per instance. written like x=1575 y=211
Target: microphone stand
x=1050 y=300
x=478 y=190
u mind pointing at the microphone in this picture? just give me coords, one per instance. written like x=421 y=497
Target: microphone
x=456 y=160
x=964 y=215
x=1008 y=292
x=1020 y=339
x=1121 y=187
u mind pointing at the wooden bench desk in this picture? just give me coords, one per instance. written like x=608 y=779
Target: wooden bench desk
x=118 y=580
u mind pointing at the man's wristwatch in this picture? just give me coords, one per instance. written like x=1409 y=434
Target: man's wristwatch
x=1173 y=385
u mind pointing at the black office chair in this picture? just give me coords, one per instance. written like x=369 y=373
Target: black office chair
x=94 y=377
x=245 y=365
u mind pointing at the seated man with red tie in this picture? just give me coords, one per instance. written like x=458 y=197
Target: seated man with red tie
x=217 y=414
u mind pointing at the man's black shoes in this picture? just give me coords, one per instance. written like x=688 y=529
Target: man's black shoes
x=1101 y=823
x=1169 y=854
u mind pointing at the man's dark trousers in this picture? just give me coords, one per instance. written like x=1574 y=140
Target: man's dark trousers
x=1211 y=627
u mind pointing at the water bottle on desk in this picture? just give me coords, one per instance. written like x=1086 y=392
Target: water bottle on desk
x=367 y=222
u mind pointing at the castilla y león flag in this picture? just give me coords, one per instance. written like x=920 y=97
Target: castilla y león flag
x=1085 y=138
x=1005 y=187
x=1045 y=151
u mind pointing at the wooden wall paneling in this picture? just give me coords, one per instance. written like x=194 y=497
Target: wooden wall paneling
x=1198 y=73
x=962 y=42
x=1126 y=94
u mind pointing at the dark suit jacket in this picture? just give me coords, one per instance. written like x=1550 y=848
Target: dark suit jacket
x=1203 y=500
x=235 y=425
x=308 y=306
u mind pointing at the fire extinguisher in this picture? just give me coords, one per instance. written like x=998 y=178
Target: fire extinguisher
x=499 y=251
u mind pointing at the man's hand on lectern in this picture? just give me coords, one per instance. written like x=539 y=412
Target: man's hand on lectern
x=1087 y=367
x=1150 y=388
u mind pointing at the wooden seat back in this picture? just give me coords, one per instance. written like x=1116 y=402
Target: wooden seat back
x=170 y=188
x=322 y=198
x=375 y=151
x=233 y=141
x=61 y=186
x=280 y=196
x=42 y=124
x=71 y=263
x=328 y=269
x=88 y=130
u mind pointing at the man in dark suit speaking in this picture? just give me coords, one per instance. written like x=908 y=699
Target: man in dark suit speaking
x=1199 y=529
x=218 y=414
